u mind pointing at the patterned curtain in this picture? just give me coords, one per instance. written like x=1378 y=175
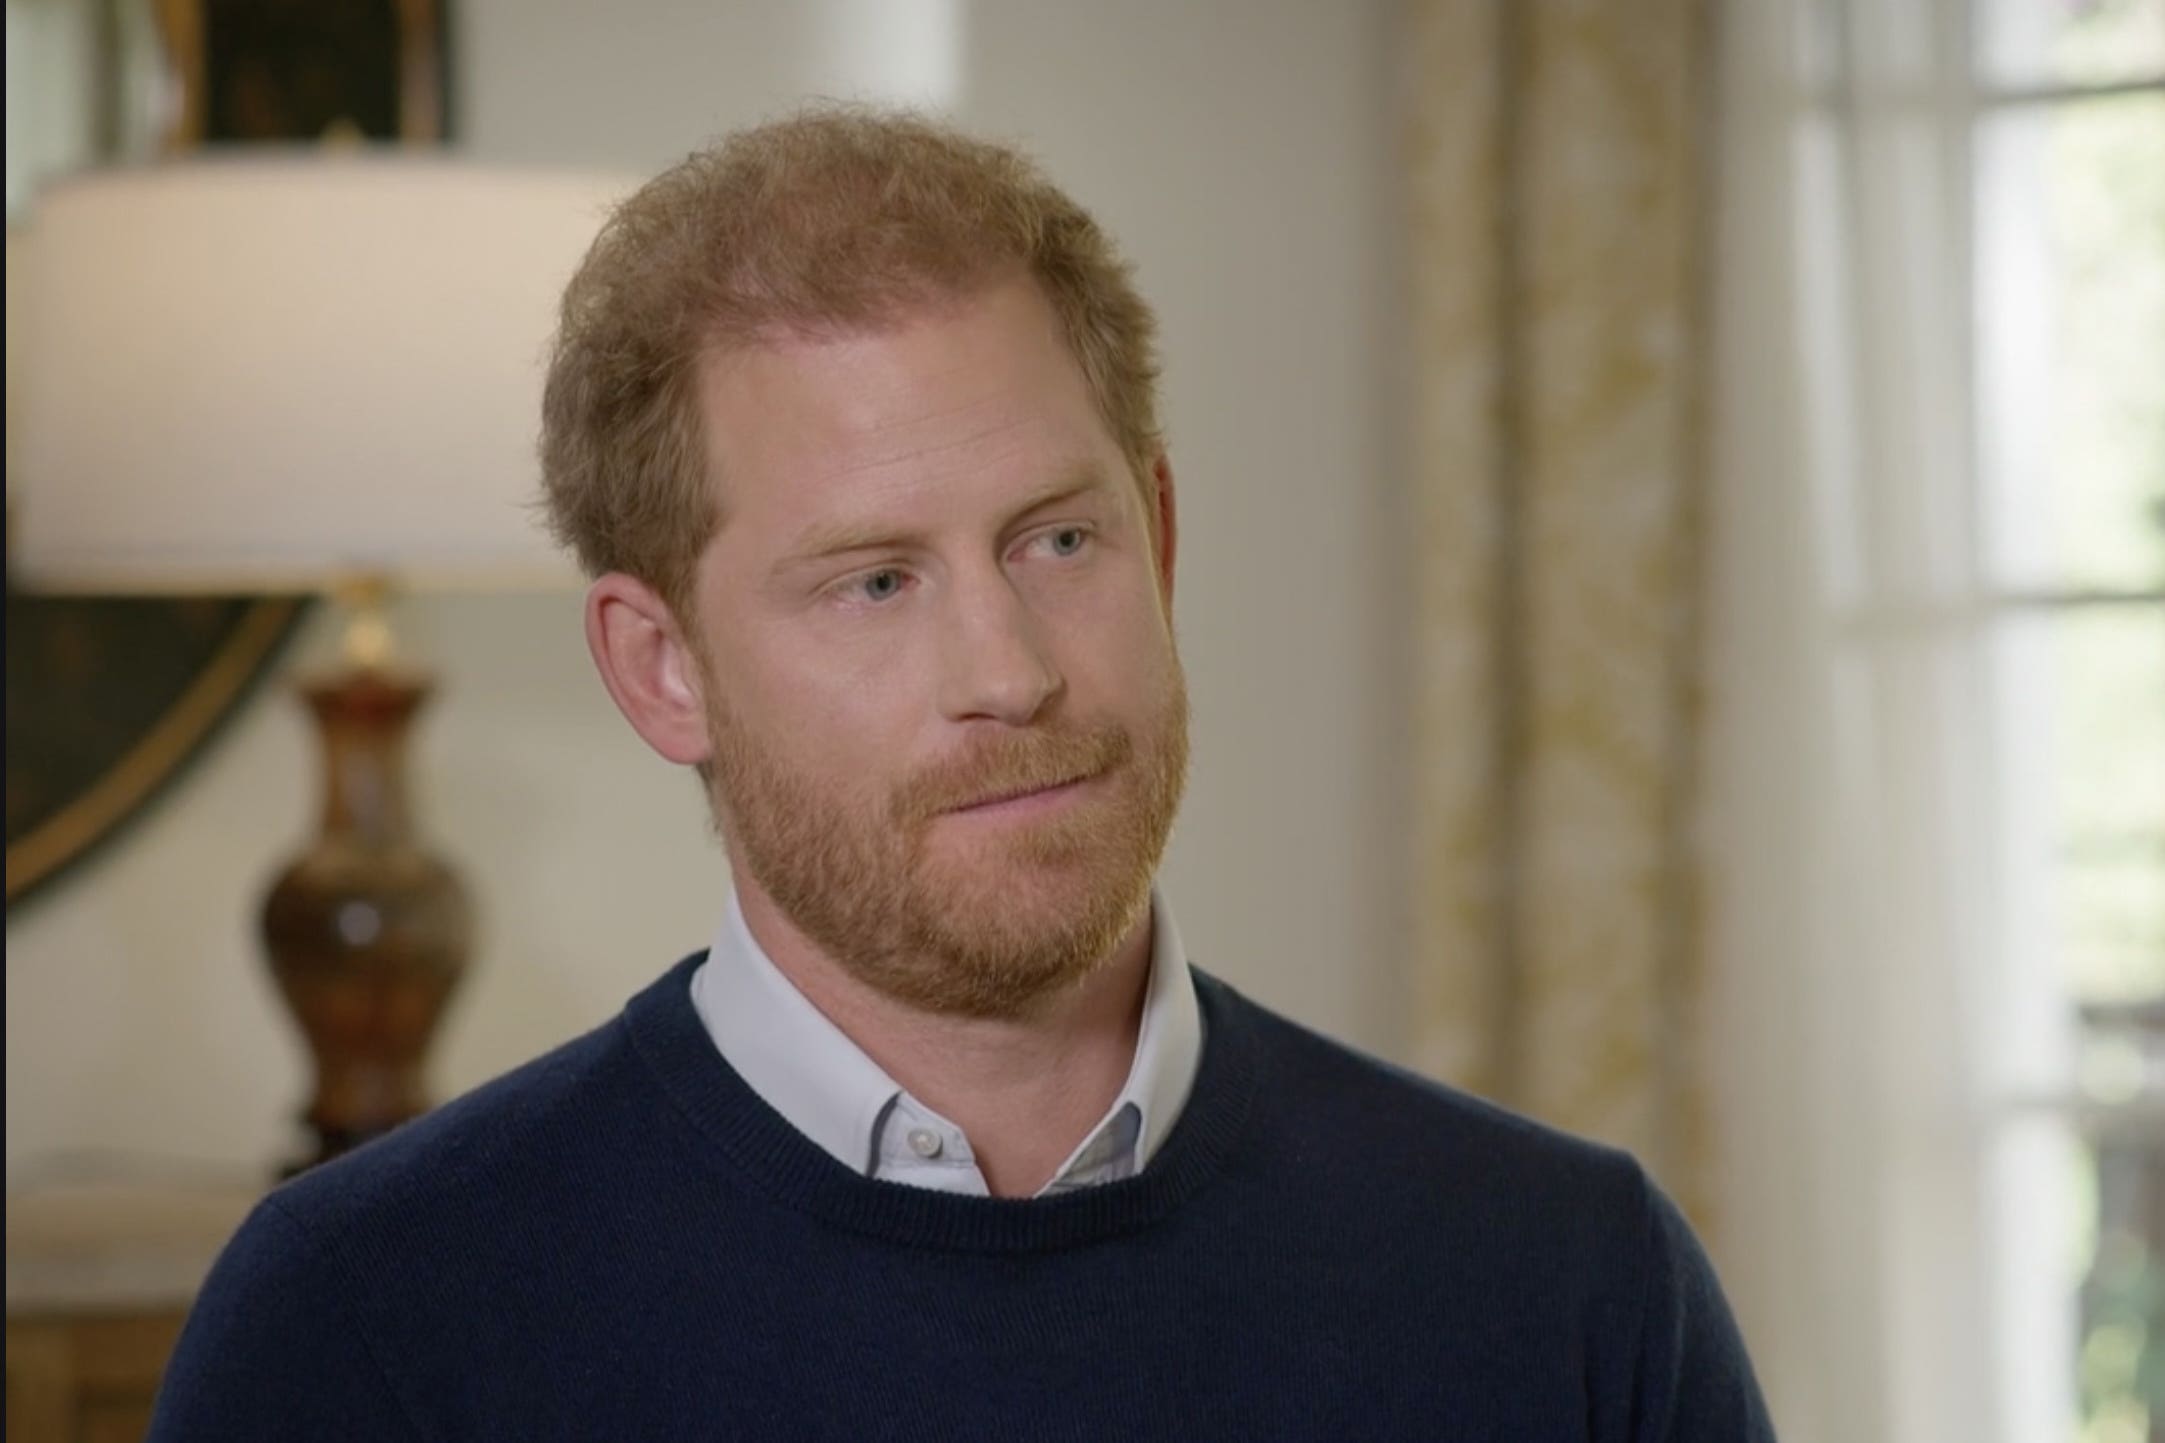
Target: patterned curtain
x=1558 y=203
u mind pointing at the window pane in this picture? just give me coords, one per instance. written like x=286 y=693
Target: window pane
x=2110 y=823
x=2081 y=696
x=2070 y=306
x=2120 y=1357
x=2122 y=1055
x=2070 y=42
x=2082 y=1269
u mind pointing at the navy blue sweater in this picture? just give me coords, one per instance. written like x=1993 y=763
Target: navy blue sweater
x=621 y=1241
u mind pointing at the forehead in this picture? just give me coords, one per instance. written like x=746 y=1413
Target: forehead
x=975 y=392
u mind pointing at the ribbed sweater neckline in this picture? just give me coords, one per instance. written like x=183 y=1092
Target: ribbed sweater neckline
x=669 y=1039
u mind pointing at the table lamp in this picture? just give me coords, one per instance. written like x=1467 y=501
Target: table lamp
x=306 y=373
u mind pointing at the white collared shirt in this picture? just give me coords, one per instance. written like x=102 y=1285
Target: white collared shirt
x=823 y=1084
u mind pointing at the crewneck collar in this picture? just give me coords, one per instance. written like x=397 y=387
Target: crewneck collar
x=755 y=1140
x=814 y=1074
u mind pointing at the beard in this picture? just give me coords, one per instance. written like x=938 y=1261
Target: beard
x=950 y=916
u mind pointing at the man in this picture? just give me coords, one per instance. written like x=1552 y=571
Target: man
x=853 y=420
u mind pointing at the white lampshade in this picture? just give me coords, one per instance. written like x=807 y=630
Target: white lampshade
x=249 y=374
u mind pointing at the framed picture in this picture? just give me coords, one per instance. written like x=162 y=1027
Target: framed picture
x=282 y=70
x=111 y=698
x=108 y=699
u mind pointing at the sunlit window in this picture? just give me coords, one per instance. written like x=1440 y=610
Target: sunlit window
x=2069 y=328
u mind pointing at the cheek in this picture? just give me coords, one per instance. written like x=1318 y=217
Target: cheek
x=1125 y=661
x=1115 y=605
x=848 y=722
x=800 y=671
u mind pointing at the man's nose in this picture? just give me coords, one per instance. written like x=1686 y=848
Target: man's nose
x=998 y=663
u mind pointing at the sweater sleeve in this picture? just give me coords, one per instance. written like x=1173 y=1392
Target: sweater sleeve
x=1694 y=1381
x=269 y=1351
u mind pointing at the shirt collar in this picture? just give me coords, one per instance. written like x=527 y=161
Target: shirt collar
x=1169 y=1046
x=808 y=1070
x=786 y=1049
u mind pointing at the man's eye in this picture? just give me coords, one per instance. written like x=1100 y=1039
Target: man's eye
x=882 y=585
x=1068 y=541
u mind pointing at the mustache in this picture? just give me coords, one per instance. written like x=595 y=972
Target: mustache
x=1010 y=766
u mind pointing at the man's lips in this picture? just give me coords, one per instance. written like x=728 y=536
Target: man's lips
x=1024 y=799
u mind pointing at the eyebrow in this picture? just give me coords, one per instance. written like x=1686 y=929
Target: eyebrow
x=827 y=539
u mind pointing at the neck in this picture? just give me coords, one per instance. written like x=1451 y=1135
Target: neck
x=1026 y=1090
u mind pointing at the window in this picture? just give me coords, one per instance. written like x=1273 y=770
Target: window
x=1937 y=760
x=2067 y=279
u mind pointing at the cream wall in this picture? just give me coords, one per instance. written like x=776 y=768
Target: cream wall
x=1240 y=149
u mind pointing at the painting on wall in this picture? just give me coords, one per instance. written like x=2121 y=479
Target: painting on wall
x=274 y=70
x=109 y=699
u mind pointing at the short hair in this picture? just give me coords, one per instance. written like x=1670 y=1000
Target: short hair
x=834 y=221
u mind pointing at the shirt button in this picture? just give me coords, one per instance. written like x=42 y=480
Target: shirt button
x=925 y=1142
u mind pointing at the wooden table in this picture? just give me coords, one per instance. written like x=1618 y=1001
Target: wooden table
x=99 y=1279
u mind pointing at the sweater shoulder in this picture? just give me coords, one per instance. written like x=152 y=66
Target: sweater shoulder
x=1555 y=1235
x=1340 y=1107
x=503 y=1144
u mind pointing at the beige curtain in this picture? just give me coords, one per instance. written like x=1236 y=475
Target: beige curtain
x=1558 y=199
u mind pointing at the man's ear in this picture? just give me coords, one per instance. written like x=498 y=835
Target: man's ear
x=1168 y=525
x=647 y=663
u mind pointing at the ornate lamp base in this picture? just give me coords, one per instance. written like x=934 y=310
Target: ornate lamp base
x=367 y=932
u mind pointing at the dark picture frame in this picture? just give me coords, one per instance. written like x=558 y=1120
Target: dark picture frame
x=108 y=700
x=308 y=70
